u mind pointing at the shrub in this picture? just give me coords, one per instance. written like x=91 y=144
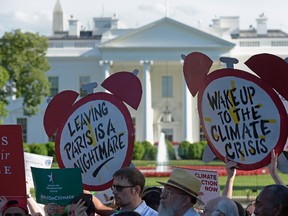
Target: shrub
x=138 y=151
x=50 y=146
x=196 y=150
x=150 y=151
x=183 y=150
x=171 y=150
x=38 y=149
x=26 y=147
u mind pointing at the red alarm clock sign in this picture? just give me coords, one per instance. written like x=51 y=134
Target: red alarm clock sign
x=97 y=133
x=242 y=116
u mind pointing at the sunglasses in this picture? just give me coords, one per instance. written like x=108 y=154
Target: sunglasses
x=119 y=188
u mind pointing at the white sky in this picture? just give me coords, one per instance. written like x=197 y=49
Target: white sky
x=36 y=15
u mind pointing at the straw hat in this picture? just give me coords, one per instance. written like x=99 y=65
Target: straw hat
x=185 y=181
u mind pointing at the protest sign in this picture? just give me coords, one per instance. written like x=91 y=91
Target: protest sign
x=35 y=160
x=98 y=138
x=56 y=185
x=285 y=103
x=12 y=172
x=95 y=133
x=242 y=117
x=241 y=114
x=210 y=187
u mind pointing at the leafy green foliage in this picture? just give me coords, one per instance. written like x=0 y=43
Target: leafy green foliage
x=50 y=146
x=23 y=56
x=138 y=151
x=26 y=147
x=4 y=77
x=183 y=149
x=171 y=151
x=196 y=150
x=150 y=151
x=38 y=149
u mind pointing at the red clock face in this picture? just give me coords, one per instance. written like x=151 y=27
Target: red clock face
x=242 y=117
x=98 y=137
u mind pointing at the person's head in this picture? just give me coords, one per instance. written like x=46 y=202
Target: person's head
x=87 y=198
x=151 y=195
x=249 y=210
x=241 y=210
x=128 y=185
x=220 y=206
x=16 y=207
x=180 y=193
x=272 y=200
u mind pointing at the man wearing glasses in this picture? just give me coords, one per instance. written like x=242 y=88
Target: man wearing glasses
x=127 y=188
x=180 y=194
x=128 y=185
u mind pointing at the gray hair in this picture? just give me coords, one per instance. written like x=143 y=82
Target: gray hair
x=225 y=206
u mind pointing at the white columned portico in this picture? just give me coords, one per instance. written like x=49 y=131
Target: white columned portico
x=190 y=122
x=147 y=102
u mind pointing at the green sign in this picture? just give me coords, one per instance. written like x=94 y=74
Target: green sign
x=56 y=185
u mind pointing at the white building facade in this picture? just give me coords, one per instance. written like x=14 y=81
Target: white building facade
x=80 y=56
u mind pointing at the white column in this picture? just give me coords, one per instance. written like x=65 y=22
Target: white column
x=190 y=116
x=147 y=104
x=186 y=114
x=105 y=68
x=195 y=119
x=105 y=73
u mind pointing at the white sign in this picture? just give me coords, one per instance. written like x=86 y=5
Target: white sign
x=35 y=160
x=209 y=184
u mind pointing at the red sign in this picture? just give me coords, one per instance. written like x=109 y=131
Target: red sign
x=12 y=169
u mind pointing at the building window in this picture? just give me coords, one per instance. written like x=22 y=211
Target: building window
x=55 y=45
x=54 y=86
x=168 y=134
x=83 y=80
x=167 y=86
x=249 y=43
x=84 y=44
x=279 y=43
x=202 y=135
x=23 y=123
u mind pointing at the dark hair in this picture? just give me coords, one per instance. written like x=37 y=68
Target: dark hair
x=240 y=208
x=134 y=176
x=128 y=213
x=88 y=202
x=279 y=196
x=151 y=195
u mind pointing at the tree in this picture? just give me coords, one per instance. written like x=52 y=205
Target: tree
x=23 y=62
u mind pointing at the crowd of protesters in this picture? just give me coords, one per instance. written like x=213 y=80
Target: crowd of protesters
x=176 y=197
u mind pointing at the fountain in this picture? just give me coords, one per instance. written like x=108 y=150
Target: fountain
x=162 y=155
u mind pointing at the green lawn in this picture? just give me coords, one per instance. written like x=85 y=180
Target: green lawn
x=243 y=185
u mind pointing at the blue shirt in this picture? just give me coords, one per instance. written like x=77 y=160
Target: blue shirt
x=191 y=212
x=143 y=210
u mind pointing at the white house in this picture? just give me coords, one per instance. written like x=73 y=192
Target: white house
x=79 y=56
